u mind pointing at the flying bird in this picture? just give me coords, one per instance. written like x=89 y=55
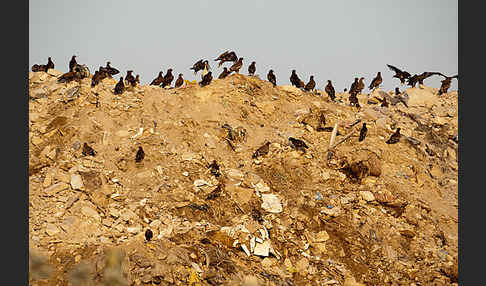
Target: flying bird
x=237 y=66
x=120 y=87
x=295 y=80
x=394 y=138
x=224 y=74
x=252 y=68
x=262 y=151
x=140 y=155
x=446 y=83
x=329 y=89
x=179 y=82
x=158 y=80
x=148 y=234
x=226 y=57
x=88 y=151
x=206 y=79
x=72 y=63
x=311 y=84
x=168 y=78
x=375 y=83
x=271 y=77
x=111 y=70
x=199 y=65
x=413 y=80
x=401 y=75
x=362 y=132
x=298 y=144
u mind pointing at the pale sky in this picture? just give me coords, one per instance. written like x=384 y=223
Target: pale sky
x=336 y=40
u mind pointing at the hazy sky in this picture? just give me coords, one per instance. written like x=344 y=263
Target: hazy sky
x=336 y=40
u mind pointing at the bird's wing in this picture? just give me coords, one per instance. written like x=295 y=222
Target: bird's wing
x=395 y=69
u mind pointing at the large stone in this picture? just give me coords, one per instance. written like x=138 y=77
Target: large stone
x=271 y=203
x=76 y=182
x=52 y=229
x=421 y=97
x=262 y=249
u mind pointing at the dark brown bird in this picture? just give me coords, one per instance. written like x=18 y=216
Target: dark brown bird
x=375 y=83
x=298 y=144
x=271 y=77
x=354 y=86
x=88 y=151
x=353 y=100
x=397 y=91
x=36 y=67
x=158 y=80
x=72 y=63
x=199 y=65
x=421 y=77
x=362 y=133
x=401 y=75
x=329 y=89
x=384 y=103
x=322 y=119
x=224 y=74
x=360 y=86
x=262 y=151
x=214 y=168
x=129 y=77
x=446 y=83
x=67 y=77
x=394 y=138
x=50 y=64
x=206 y=79
x=236 y=66
x=137 y=79
x=120 y=86
x=97 y=78
x=295 y=80
x=111 y=70
x=140 y=155
x=168 y=78
x=179 y=82
x=412 y=81
x=252 y=68
x=148 y=234
x=226 y=57
x=311 y=84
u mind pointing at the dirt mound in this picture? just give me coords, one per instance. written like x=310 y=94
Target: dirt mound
x=361 y=213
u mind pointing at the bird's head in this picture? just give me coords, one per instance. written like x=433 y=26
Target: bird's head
x=169 y=70
x=398 y=130
x=329 y=81
x=180 y=75
x=108 y=63
x=253 y=62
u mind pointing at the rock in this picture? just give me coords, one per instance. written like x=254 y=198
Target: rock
x=235 y=174
x=262 y=187
x=200 y=183
x=134 y=229
x=332 y=211
x=421 y=97
x=302 y=265
x=262 y=249
x=271 y=203
x=52 y=229
x=90 y=212
x=76 y=182
x=370 y=114
x=321 y=236
x=54 y=72
x=367 y=196
x=155 y=224
x=145 y=174
x=57 y=187
x=268 y=262
x=127 y=215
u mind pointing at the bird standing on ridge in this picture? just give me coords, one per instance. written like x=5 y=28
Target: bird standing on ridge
x=111 y=70
x=148 y=234
x=329 y=89
x=50 y=64
x=206 y=79
x=88 y=151
x=362 y=132
x=311 y=84
x=179 y=82
x=129 y=77
x=375 y=83
x=395 y=137
x=140 y=155
x=271 y=77
x=168 y=78
x=360 y=86
x=224 y=74
x=72 y=63
x=236 y=66
x=298 y=144
x=295 y=80
x=119 y=87
x=446 y=83
x=252 y=68
x=158 y=80
x=262 y=151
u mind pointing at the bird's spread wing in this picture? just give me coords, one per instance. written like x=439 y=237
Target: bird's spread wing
x=394 y=68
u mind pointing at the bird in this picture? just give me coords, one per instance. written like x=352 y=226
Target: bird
x=140 y=155
x=421 y=77
x=137 y=79
x=311 y=84
x=329 y=89
x=67 y=77
x=298 y=144
x=401 y=75
x=446 y=83
x=168 y=78
x=252 y=68
x=295 y=80
x=412 y=80
x=271 y=77
x=148 y=234
x=72 y=63
x=353 y=100
x=362 y=132
x=179 y=82
x=206 y=79
x=397 y=91
x=50 y=64
x=395 y=137
x=158 y=80
x=236 y=66
x=206 y=69
x=375 y=83
x=360 y=86
x=199 y=65
x=129 y=77
x=262 y=151
x=36 y=68
x=97 y=77
x=227 y=57
x=224 y=74
x=120 y=86
x=322 y=119
x=88 y=151
x=111 y=70
x=214 y=168
x=354 y=86
x=383 y=101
